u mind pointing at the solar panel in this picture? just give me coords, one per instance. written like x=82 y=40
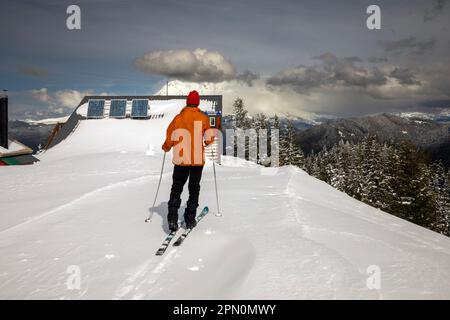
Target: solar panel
x=139 y=109
x=118 y=108
x=95 y=109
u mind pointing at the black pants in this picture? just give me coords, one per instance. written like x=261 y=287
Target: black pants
x=180 y=176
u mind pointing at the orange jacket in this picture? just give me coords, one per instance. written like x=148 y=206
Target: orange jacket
x=186 y=135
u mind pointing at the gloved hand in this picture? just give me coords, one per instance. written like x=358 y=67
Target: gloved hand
x=164 y=147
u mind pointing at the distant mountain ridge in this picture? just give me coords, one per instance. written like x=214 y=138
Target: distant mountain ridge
x=32 y=134
x=442 y=117
x=299 y=123
x=427 y=134
x=428 y=131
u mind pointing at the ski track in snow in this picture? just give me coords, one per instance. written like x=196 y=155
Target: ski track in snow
x=72 y=203
x=131 y=288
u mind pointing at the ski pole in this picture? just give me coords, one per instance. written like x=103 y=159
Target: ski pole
x=150 y=216
x=218 y=214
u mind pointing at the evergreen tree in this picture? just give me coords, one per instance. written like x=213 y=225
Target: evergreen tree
x=240 y=114
x=441 y=186
x=341 y=156
x=290 y=153
x=261 y=123
x=315 y=166
x=273 y=124
x=375 y=188
x=415 y=198
x=355 y=172
x=385 y=194
x=240 y=122
x=323 y=162
x=276 y=122
x=309 y=163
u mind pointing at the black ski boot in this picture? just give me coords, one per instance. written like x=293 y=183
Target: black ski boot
x=173 y=226
x=189 y=219
x=172 y=219
x=191 y=224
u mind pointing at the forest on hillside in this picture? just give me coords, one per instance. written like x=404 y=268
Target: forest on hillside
x=396 y=177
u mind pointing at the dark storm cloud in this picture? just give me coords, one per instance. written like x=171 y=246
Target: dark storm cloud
x=328 y=58
x=437 y=80
x=199 y=65
x=247 y=77
x=408 y=46
x=33 y=71
x=331 y=72
x=404 y=76
x=377 y=59
x=301 y=78
x=436 y=9
x=352 y=59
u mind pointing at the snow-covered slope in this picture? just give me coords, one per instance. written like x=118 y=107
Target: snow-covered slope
x=283 y=234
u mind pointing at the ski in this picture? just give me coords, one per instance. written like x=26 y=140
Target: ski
x=166 y=243
x=186 y=232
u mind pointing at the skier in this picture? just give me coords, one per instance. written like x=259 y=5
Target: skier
x=189 y=160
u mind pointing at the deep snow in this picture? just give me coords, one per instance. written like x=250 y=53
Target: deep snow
x=283 y=234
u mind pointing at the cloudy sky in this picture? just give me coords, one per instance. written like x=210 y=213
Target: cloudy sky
x=286 y=57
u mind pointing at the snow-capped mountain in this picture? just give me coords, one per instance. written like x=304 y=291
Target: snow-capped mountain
x=442 y=116
x=32 y=134
x=283 y=233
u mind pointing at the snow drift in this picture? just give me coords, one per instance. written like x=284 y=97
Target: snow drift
x=283 y=235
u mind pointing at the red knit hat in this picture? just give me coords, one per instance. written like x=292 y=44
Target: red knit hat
x=193 y=98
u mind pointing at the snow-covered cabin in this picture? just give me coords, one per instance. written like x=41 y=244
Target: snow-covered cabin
x=156 y=110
